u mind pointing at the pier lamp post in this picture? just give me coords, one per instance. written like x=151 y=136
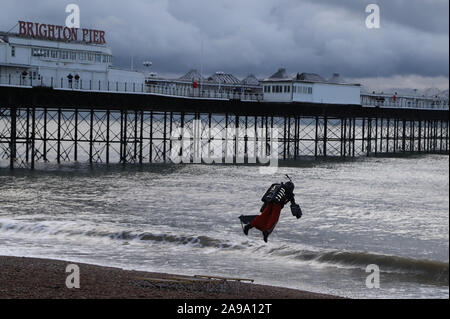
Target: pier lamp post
x=147 y=64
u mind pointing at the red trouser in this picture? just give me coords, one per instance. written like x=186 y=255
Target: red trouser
x=268 y=219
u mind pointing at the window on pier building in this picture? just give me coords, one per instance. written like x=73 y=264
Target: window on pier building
x=106 y=58
x=64 y=55
x=13 y=51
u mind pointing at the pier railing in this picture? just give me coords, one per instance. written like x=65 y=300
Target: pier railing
x=127 y=87
x=170 y=89
x=404 y=102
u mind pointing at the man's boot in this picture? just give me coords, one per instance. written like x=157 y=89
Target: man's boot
x=247 y=228
x=265 y=235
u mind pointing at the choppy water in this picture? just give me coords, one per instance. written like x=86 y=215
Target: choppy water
x=392 y=212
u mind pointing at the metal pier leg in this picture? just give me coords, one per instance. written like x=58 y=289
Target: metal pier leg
x=27 y=148
x=141 y=137
x=91 y=136
x=325 y=135
x=124 y=137
x=75 y=147
x=297 y=154
x=135 y=144
x=353 y=136
x=58 y=145
x=289 y=138
x=180 y=153
x=44 y=151
x=270 y=138
x=150 y=151
x=225 y=146
x=435 y=135
x=387 y=134
x=363 y=146
x=381 y=133
x=108 y=124
x=342 y=139
x=447 y=137
x=403 y=135
x=33 y=136
x=316 y=139
x=376 y=136
x=236 y=138
x=395 y=135
x=245 y=136
x=12 y=142
x=430 y=136
x=284 y=139
x=256 y=137
x=170 y=132
x=369 y=136
x=419 y=136
x=121 y=137
x=165 y=137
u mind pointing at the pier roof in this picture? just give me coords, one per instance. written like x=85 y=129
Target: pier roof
x=224 y=78
x=250 y=80
x=311 y=77
x=192 y=75
x=280 y=75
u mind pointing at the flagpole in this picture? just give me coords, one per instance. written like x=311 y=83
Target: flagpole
x=201 y=66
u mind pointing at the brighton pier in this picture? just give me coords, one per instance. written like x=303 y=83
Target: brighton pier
x=44 y=124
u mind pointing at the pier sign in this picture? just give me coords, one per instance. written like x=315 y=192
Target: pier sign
x=62 y=33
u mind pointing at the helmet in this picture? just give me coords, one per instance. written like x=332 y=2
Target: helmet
x=289 y=186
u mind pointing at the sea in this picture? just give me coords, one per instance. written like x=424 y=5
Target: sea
x=372 y=227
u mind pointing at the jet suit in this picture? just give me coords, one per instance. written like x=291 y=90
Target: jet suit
x=274 y=200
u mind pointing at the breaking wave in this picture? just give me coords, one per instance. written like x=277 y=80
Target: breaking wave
x=68 y=230
x=423 y=269
x=435 y=272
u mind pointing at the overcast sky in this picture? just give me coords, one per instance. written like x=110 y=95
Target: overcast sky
x=410 y=49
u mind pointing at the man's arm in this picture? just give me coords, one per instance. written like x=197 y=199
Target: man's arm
x=292 y=199
x=295 y=208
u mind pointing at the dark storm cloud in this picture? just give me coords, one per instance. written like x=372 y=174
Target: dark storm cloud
x=423 y=15
x=258 y=36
